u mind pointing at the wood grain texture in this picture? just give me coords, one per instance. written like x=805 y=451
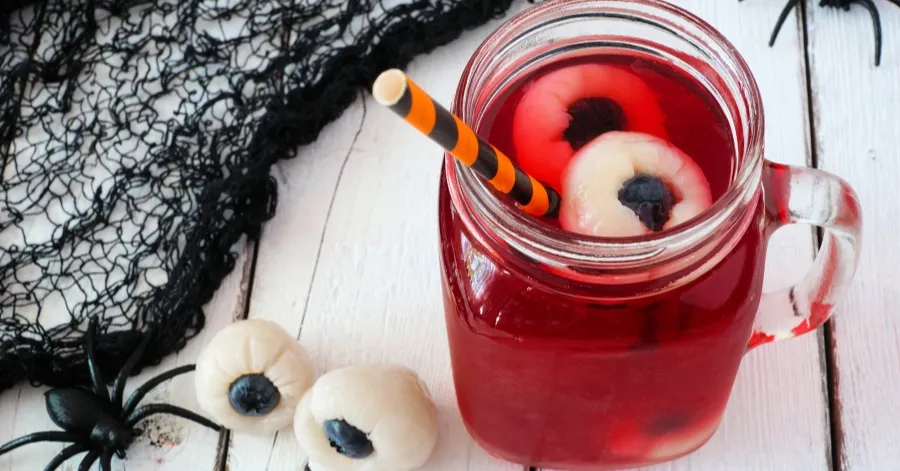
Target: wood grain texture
x=287 y=261
x=350 y=261
x=777 y=416
x=857 y=109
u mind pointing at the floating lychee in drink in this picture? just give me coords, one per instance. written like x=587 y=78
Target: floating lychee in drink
x=597 y=133
x=627 y=184
x=567 y=108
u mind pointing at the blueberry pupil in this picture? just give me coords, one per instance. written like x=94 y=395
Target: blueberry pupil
x=668 y=424
x=649 y=198
x=592 y=117
x=347 y=439
x=253 y=395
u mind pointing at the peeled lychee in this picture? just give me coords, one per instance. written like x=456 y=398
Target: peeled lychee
x=566 y=109
x=628 y=184
x=637 y=441
x=367 y=418
x=251 y=376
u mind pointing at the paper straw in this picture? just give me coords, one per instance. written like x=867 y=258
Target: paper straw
x=394 y=90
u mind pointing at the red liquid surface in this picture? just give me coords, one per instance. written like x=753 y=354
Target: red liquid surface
x=548 y=380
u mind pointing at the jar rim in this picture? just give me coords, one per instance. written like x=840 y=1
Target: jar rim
x=580 y=254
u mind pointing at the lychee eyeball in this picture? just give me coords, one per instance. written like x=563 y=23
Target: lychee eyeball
x=637 y=441
x=251 y=376
x=367 y=418
x=628 y=184
x=564 y=110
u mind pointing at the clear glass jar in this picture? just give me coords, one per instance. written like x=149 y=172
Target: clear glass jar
x=573 y=352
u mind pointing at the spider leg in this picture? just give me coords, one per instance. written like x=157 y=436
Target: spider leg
x=89 y=460
x=65 y=454
x=106 y=460
x=143 y=389
x=895 y=2
x=876 y=22
x=96 y=378
x=151 y=409
x=791 y=4
x=128 y=367
x=39 y=437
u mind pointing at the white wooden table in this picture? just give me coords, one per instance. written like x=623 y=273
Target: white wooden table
x=358 y=281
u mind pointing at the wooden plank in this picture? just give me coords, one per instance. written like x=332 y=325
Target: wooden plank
x=857 y=110
x=349 y=262
x=289 y=253
x=169 y=443
x=777 y=416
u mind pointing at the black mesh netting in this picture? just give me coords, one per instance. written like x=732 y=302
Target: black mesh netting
x=137 y=138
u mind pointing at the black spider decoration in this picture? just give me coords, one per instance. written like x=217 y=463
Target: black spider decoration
x=100 y=424
x=845 y=4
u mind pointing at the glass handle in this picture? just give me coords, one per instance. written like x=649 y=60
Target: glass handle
x=796 y=195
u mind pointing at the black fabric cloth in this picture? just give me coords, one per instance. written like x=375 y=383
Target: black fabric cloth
x=137 y=137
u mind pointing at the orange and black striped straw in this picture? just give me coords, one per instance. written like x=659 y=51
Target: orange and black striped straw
x=401 y=95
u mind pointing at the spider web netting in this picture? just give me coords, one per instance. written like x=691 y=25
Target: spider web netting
x=136 y=139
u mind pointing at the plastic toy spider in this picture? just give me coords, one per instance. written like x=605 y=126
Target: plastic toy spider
x=845 y=4
x=97 y=423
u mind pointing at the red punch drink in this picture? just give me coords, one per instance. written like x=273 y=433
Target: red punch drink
x=583 y=352
x=550 y=380
x=595 y=369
